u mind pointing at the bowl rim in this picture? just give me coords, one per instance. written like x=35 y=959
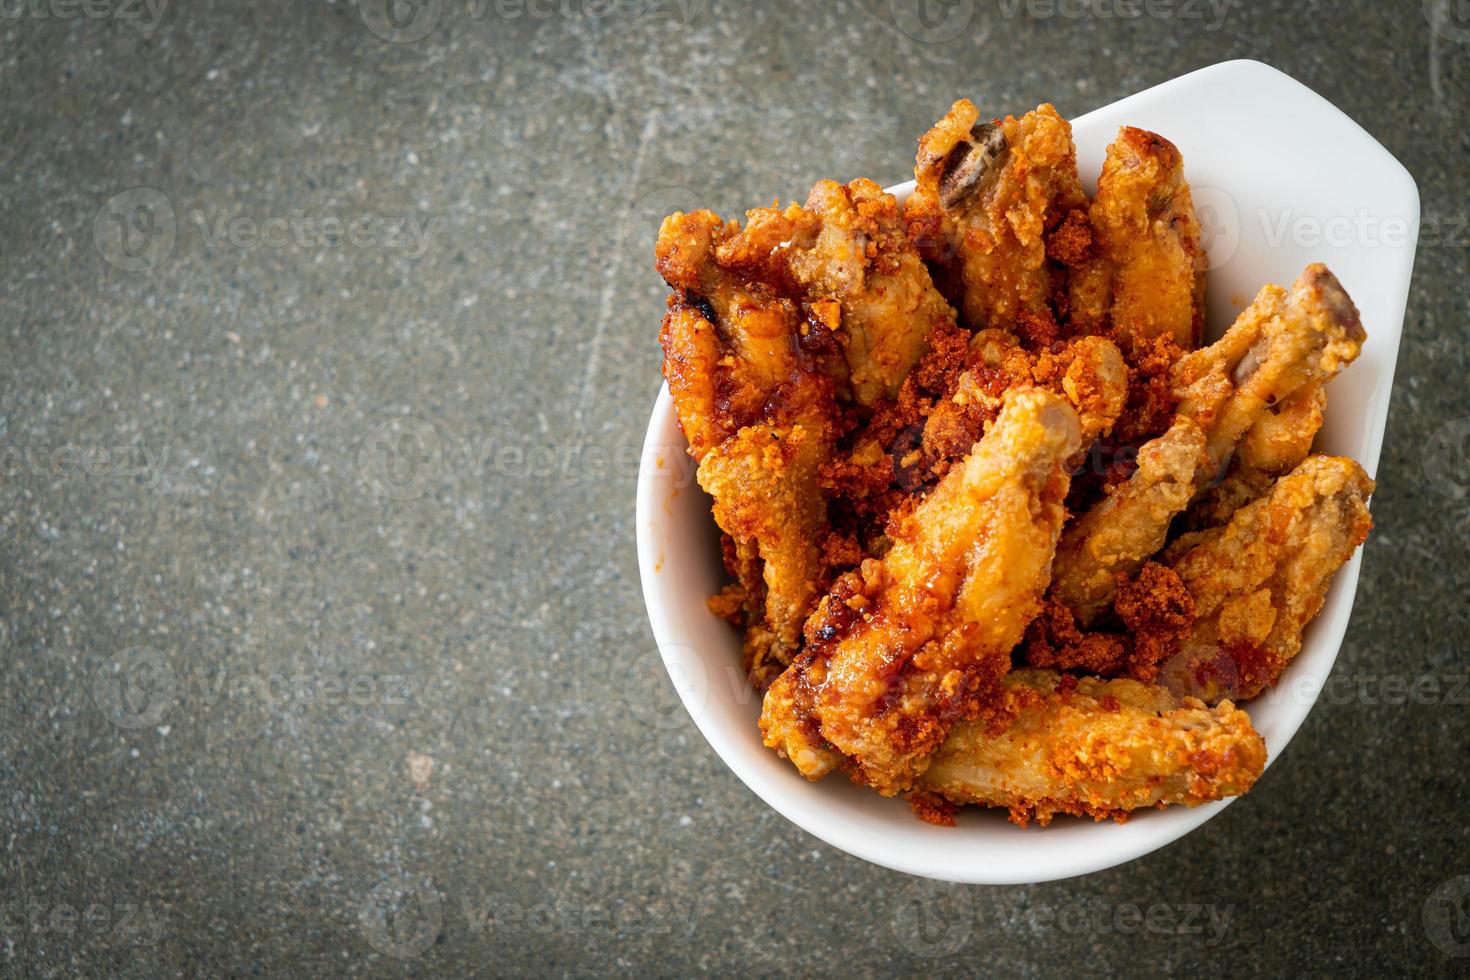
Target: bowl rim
x=1147 y=830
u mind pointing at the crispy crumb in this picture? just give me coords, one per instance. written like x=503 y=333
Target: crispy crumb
x=1070 y=243
x=420 y=769
x=1157 y=610
x=932 y=809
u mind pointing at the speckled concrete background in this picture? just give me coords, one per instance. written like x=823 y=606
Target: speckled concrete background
x=328 y=339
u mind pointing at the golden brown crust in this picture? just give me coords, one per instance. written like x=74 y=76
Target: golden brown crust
x=1154 y=611
x=891 y=480
x=1282 y=344
x=1094 y=748
x=861 y=259
x=1279 y=441
x=988 y=232
x=764 y=484
x=1089 y=372
x=1119 y=534
x=932 y=808
x=1258 y=581
x=1146 y=274
x=1284 y=341
x=755 y=388
x=933 y=623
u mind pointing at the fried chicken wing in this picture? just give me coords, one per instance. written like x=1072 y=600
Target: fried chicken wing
x=692 y=369
x=1130 y=524
x=1145 y=276
x=770 y=325
x=1279 y=441
x=1097 y=748
x=899 y=655
x=764 y=484
x=728 y=338
x=1258 y=581
x=758 y=408
x=861 y=258
x=986 y=194
x=1283 y=343
x=1282 y=438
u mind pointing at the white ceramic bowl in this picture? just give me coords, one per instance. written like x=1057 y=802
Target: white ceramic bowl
x=1281 y=178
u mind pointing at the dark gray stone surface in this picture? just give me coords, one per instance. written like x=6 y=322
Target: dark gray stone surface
x=415 y=678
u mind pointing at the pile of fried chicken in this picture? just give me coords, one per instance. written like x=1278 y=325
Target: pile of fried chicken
x=1000 y=530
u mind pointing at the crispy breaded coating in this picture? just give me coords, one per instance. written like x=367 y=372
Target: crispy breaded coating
x=1097 y=748
x=1156 y=612
x=1278 y=442
x=994 y=363
x=1145 y=276
x=1131 y=523
x=1152 y=401
x=934 y=622
x=755 y=399
x=1096 y=383
x=769 y=325
x=896 y=409
x=861 y=258
x=986 y=195
x=764 y=484
x=1260 y=579
x=1282 y=438
x=728 y=336
x=1089 y=372
x=692 y=355
x=1054 y=642
x=1283 y=343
